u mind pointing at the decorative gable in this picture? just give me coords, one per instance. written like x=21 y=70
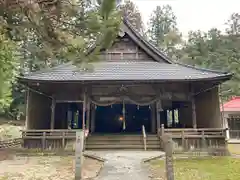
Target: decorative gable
x=124 y=49
x=131 y=46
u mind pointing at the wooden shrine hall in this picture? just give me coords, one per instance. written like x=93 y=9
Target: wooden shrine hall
x=133 y=86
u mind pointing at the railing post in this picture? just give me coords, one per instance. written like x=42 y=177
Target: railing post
x=162 y=130
x=63 y=140
x=203 y=140
x=183 y=140
x=79 y=154
x=44 y=140
x=144 y=138
x=227 y=134
x=168 y=148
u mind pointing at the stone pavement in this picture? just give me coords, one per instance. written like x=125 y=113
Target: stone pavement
x=124 y=165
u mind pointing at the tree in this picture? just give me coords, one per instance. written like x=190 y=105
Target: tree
x=61 y=29
x=8 y=70
x=216 y=50
x=163 y=32
x=49 y=32
x=130 y=10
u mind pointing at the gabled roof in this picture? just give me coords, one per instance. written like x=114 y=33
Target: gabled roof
x=233 y=105
x=126 y=70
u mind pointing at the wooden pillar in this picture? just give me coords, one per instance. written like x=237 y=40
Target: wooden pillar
x=27 y=110
x=93 y=111
x=173 y=119
x=88 y=114
x=53 y=113
x=159 y=108
x=194 y=118
x=84 y=110
x=153 y=118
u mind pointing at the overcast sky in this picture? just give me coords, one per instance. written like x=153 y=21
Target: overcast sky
x=194 y=14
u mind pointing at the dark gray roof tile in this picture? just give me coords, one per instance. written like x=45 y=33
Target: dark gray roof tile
x=124 y=71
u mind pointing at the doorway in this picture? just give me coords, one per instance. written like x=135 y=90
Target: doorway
x=109 y=119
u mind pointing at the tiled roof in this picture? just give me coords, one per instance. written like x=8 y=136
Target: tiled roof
x=120 y=70
x=232 y=106
x=114 y=71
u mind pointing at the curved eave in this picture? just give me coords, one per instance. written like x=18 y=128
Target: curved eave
x=219 y=78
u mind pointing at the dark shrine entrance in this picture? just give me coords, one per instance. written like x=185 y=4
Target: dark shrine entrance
x=109 y=119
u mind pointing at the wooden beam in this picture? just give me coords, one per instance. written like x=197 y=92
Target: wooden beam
x=53 y=113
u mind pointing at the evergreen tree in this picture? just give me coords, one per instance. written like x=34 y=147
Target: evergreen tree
x=163 y=32
x=131 y=12
x=216 y=50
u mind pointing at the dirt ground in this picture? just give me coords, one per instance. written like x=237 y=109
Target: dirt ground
x=45 y=168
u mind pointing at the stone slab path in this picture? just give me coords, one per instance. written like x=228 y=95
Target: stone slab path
x=124 y=165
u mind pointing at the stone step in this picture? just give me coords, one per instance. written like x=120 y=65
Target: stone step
x=120 y=146
x=121 y=141
x=114 y=146
x=114 y=142
x=115 y=137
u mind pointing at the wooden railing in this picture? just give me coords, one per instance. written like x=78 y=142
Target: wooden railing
x=190 y=139
x=48 y=139
x=144 y=138
x=234 y=134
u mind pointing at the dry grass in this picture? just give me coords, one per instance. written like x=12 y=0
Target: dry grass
x=46 y=168
x=217 y=168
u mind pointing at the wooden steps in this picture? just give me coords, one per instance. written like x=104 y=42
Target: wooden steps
x=121 y=142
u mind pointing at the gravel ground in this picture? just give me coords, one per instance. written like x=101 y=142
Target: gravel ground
x=45 y=168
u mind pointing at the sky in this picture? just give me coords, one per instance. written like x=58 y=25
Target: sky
x=194 y=14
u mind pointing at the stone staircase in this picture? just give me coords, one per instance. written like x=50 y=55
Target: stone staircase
x=121 y=142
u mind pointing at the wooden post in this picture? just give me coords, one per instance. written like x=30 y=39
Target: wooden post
x=194 y=118
x=84 y=111
x=53 y=113
x=153 y=117
x=173 y=118
x=44 y=141
x=63 y=140
x=93 y=111
x=79 y=154
x=27 y=110
x=158 y=114
x=203 y=144
x=168 y=148
x=88 y=114
x=162 y=130
x=183 y=140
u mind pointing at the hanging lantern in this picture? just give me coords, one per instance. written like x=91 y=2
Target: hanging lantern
x=149 y=107
x=95 y=106
x=138 y=107
x=120 y=118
